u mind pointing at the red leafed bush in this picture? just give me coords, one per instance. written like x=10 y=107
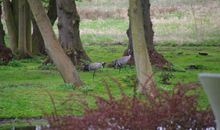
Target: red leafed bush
x=5 y=55
x=170 y=110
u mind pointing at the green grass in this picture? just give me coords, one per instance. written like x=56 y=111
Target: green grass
x=105 y=52
x=26 y=85
x=25 y=88
x=173 y=27
x=173 y=21
x=103 y=31
x=103 y=4
x=104 y=25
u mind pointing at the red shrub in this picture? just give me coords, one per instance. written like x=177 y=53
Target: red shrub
x=170 y=110
x=5 y=55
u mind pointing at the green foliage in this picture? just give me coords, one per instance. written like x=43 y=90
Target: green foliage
x=69 y=86
x=166 y=77
x=129 y=80
x=15 y=63
x=46 y=3
x=86 y=89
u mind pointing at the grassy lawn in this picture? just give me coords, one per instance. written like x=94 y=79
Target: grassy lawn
x=29 y=89
x=26 y=88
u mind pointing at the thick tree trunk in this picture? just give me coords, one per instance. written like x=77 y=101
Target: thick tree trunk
x=23 y=29
x=156 y=59
x=55 y=51
x=5 y=53
x=22 y=43
x=15 y=10
x=68 y=25
x=38 y=42
x=2 y=32
x=142 y=61
x=148 y=28
x=11 y=25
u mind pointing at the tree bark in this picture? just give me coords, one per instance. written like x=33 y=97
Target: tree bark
x=141 y=56
x=28 y=28
x=68 y=25
x=15 y=10
x=55 y=51
x=5 y=53
x=2 y=32
x=38 y=42
x=11 y=25
x=22 y=43
x=156 y=59
x=23 y=29
x=148 y=28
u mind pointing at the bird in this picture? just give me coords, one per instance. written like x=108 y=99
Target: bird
x=119 y=63
x=93 y=67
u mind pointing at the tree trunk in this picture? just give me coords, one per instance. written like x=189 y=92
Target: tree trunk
x=38 y=42
x=15 y=10
x=68 y=25
x=11 y=25
x=2 y=32
x=148 y=28
x=23 y=29
x=29 y=27
x=5 y=53
x=156 y=59
x=22 y=45
x=52 y=11
x=55 y=51
x=141 y=56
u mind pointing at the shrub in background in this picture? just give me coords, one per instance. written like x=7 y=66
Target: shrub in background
x=177 y=109
x=5 y=55
x=15 y=63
